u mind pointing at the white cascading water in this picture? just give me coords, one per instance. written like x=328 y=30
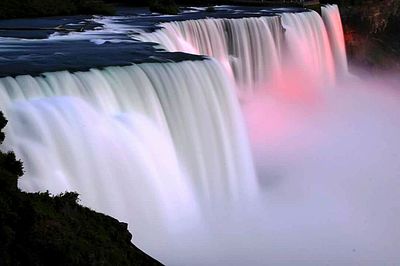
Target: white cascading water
x=308 y=47
x=140 y=142
x=257 y=51
x=333 y=24
x=238 y=44
x=163 y=146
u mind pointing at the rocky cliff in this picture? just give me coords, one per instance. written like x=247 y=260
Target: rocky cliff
x=372 y=30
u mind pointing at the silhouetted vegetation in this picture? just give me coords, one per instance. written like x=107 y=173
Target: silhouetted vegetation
x=164 y=7
x=210 y=9
x=40 y=229
x=42 y=8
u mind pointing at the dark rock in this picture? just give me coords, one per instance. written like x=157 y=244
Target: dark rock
x=371 y=33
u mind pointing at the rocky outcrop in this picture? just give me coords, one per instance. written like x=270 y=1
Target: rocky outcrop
x=371 y=32
x=40 y=229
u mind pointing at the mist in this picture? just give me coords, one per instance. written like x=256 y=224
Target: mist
x=328 y=170
x=325 y=145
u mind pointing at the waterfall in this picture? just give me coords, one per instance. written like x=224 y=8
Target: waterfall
x=162 y=146
x=308 y=47
x=249 y=49
x=192 y=105
x=137 y=142
x=256 y=52
x=333 y=23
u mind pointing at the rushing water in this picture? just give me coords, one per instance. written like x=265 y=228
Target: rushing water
x=165 y=146
x=173 y=132
x=257 y=52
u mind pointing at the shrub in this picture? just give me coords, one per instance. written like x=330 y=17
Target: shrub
x=164 y=7
x=210 y=9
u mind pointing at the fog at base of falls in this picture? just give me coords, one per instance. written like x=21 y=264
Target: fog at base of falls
x=325 y=146
x=329 y=184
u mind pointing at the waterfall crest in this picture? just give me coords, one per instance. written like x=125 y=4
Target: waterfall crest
x=257 y=52
x=248 y=48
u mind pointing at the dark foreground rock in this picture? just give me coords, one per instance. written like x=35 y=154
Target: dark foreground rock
x=39 y=229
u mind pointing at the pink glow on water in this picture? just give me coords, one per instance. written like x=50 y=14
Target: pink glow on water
x=298 y=88
x=333 y=23
x=274 y=119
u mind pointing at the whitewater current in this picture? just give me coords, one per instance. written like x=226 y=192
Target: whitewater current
x=229 y=160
